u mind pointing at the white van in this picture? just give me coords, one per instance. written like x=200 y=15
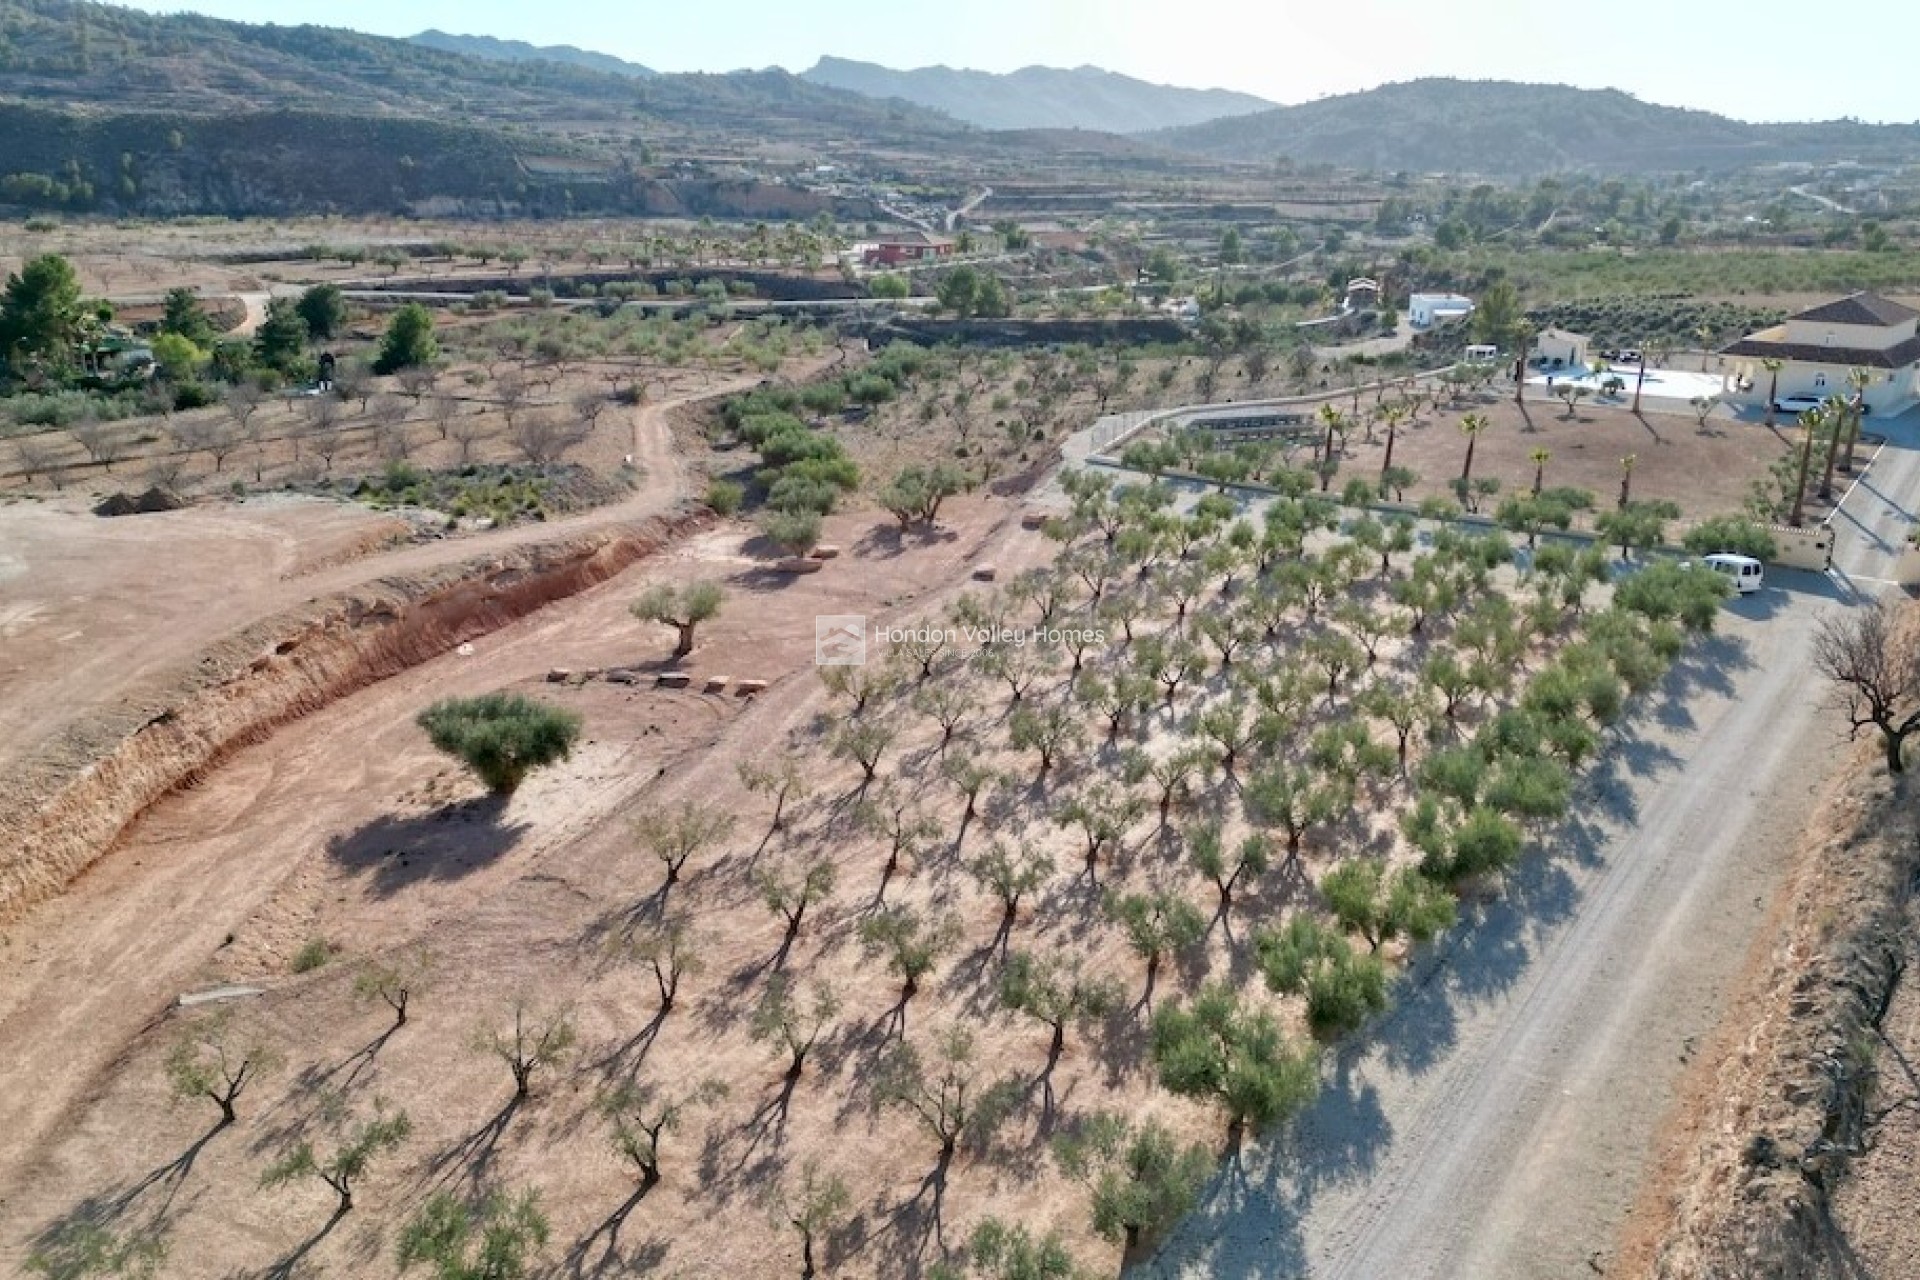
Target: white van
x=1747 y=574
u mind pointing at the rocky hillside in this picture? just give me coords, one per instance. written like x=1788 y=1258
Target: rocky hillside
x=1038 y=97
x=520 y=51
x=113 y=110
x=1502 y=128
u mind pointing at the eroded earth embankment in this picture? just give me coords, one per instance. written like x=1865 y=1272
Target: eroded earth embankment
x=70 y=804
x=1790 y=1102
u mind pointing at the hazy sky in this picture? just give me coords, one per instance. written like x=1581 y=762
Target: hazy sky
x=1732 y=56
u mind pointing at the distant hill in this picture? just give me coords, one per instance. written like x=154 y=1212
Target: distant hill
x=1038 y=97
x=520 y=51
x=115 y=110
x=1501 y=128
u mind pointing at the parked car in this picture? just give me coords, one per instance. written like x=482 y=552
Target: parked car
x=1797 y=404
x=1747 y=574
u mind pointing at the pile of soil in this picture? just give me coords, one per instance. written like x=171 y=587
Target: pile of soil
x=154 y=499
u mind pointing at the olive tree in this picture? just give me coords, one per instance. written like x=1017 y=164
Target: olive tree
x=1141 y=1179
x=683 y=608
x=1213 y=1048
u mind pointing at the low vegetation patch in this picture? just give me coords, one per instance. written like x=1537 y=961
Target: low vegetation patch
x=502 y=493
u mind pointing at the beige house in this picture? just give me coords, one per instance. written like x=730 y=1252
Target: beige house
x=1557 y=349
x=1820 y=346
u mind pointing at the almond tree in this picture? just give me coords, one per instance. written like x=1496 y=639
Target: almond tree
x=444 y=1234
x=858 y=685
x=911 y=943
x=641 y=1115
x=949 y=1095
x=537 y=1041
x=794 y=1024
x=948 y=703
x=895 y=815
x=358 y=1148
x=677 y=835
x=671 y=950
x=218 y=1061
x=1295 y=801
x=1103 y=813
x=1047 y=732
x=971 y=779
x=789 y=892
x=1010 y=876
x=394 y=983
x=865 y=742
x=784 y=780
x=813 y=1204
x=1879 y=675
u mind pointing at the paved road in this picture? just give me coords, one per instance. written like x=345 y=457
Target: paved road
x=1499 y=1120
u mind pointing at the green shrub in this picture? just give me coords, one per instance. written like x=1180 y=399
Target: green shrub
x=311 y=955
x=501 y=736
x=724 y=496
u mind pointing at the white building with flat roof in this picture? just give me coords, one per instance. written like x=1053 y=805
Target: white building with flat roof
x=1425 y=310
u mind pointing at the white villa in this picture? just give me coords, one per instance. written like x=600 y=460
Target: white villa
x=1424 y=310
x=1821 y=345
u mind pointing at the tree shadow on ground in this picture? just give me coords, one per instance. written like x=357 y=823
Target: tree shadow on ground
x=888 y=541
x=446 y=844
x=472 y=1156
x=643 y=1259
x=288 y=1267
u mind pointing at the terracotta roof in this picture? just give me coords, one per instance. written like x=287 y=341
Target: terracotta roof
x=1859 y=308
x=1895 y=357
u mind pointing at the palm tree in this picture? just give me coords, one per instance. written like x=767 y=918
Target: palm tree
x=1334 y=420
x=1471 y=426
x=1523 y=342
x=1391 y=414
x=1640 y=379
x=1859 y=380
x=1773 y=365
x=1833 y=416
x=1809 y=420
x=1626 y=478
x=1539 y=457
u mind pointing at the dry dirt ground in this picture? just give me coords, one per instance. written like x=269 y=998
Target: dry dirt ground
x=340 y=828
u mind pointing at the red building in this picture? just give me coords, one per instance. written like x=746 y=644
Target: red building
x=910 y=246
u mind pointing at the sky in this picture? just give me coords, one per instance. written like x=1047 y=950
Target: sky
x=1751 y=59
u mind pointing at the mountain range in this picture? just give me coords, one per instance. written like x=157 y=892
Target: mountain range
x=114 y=110
x=520 y=51
x=1499 y=127
x=1039 y=97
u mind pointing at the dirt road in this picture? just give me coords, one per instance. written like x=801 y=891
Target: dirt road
x=1498 y=1122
